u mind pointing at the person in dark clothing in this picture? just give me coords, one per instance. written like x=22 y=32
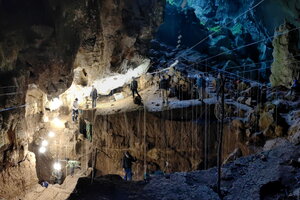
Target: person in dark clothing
x=164 y=87
x=75 y=107
x=134 y=87
x=127 y=165
x=94 y=95
x=201 y=86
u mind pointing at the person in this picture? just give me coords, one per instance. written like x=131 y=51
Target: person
x=57 y=175
x=127 y=165
x=72 y=165
x=134 y=87
x=44 y=184
x=201 y=86
x=75 y=110
x=164 y=87
x=93 y=95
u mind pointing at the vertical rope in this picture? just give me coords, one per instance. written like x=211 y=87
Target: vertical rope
x=145 y=146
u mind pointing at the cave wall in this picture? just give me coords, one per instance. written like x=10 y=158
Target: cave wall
x=173 y=136
x=42 y=42
x=219 y=18
x=19 y=178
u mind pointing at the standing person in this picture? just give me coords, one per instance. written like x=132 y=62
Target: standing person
x=93 y=95
x=57 y=175
x=127 y=165
x=75 y=110
x=201 y=86
x=134 y=87
x=164 y=87
x=72 y=165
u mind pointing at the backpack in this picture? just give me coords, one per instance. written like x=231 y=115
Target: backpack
x=137 y=100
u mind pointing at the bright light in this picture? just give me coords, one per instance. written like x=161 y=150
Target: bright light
x=46 y=119
x=58 y=123
x=55 y=104
x=57 y=166
x=105 y=85
x=44 y=143
x=51 y=134
x=42 y=149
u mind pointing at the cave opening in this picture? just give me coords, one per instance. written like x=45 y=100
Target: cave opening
x=197 y=98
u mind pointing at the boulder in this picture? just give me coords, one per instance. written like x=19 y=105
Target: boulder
x=295 y=138
x=274 y=143
x=265 y=121
x=145 y=81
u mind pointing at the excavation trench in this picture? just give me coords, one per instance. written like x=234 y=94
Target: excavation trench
x=170 y=140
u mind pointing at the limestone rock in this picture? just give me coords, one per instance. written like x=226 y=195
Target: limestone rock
x=285 y=67
x=274 y=143
x=295 y=138
x=265 y=121
x=18 y=179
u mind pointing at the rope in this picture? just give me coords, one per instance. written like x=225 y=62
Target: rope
x=247 y=45
x=252 y=70
x=145 y=146
x=9 y=94
x=212 y=34
x=8 y=87
x=258 y=63
x=15 y=107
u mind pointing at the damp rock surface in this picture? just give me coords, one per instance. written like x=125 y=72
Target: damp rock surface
x=269 y=175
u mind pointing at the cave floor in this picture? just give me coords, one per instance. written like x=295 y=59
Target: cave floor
x=152 y=102
x=57 y=192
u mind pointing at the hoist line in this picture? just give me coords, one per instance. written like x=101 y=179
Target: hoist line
x=247 y=45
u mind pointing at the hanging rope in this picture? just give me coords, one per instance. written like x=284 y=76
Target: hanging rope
x=10 y=94
x=3 y=87
x=250 y=44
x=145 y=146
x=15 y=107
x=210 y=35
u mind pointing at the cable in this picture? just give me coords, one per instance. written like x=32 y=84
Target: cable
x=220 y=28
x=256 y=5
x=15 y=107
x=247 y=45
x=9 y=94
x=250 y=64
x=8 y=87
x=227 y=24
x=252 y=70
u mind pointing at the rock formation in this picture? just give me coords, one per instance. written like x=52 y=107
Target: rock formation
x=270 y=175
x=42 y=42
x=285 y=67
